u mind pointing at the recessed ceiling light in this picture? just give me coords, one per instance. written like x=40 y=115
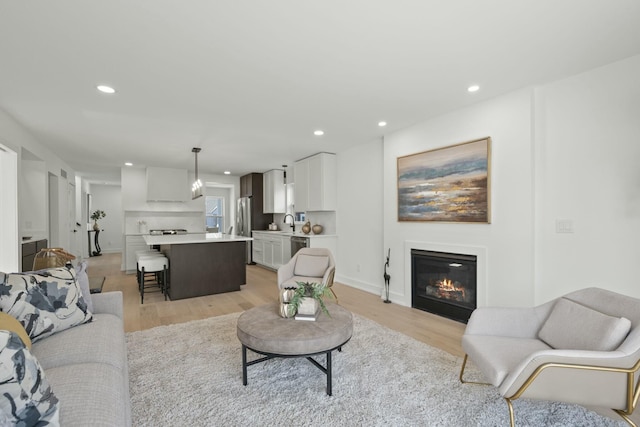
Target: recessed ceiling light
x=318 y=133
x=473 y=88
x=128 y=164
x=382 y=124
x=227 y=173
x=105 y=89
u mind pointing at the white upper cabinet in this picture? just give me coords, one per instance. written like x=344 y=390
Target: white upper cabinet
x=167 y=185
x=316 y=183
x=301 y=190
x=273 y=190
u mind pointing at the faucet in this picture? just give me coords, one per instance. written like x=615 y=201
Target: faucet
x=293 y=222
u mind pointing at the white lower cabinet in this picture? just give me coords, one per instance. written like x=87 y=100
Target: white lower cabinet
x=270 y=249
x=258 y=250
x=133 y=243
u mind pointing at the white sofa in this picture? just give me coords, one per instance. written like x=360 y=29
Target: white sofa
x=581 y=348
x=87 y=367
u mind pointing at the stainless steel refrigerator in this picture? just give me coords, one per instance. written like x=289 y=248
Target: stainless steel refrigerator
x=244 y=224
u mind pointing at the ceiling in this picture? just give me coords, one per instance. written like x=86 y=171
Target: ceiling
x=250 y=81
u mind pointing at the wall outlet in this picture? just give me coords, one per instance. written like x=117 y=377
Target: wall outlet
x=564 y=226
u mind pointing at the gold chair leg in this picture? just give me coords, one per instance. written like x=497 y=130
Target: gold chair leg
x=512 y=417
x=464 y=363
x=334 y=294
x=462 y=380
x=625 y=417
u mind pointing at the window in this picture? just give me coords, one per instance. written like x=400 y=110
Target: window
x=214 y=211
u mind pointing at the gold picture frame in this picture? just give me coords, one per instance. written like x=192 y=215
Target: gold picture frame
x=450 y=184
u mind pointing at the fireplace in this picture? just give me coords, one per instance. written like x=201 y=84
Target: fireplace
x=444 y=283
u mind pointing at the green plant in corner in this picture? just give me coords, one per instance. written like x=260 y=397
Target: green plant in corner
x=316 y=291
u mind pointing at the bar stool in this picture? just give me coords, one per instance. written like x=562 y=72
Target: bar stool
x=146 y=252
x=158 y=265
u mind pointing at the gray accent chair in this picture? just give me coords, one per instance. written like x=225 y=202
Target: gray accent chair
x=313 y=265
x=582 y=348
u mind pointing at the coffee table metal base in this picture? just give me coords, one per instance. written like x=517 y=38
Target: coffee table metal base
x=326 y=369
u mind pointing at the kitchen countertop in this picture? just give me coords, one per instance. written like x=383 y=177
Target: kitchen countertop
x=147 y=233
x=33 y=239
x=181 y=239
x=289 y=233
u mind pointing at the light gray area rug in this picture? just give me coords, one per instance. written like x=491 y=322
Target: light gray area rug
x=190 y=374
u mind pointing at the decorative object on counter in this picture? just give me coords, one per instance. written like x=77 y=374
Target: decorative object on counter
x=142 y=227
x=306 y=228
x=95 y=216
x=273 y=227
x=317 y=229
x=387 y=278
x=306 y=300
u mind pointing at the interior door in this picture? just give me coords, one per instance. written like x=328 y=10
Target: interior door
x=72 y=224
x=54 y=212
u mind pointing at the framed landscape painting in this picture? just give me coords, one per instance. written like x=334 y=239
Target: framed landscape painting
x=449 y=184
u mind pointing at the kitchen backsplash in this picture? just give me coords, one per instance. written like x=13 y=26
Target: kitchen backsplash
x=141 y=222
x=327 y=219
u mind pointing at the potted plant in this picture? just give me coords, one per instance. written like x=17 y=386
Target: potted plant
x=309 y=295
x=98 y=214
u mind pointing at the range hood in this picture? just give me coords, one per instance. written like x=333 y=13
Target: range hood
x=167 y=185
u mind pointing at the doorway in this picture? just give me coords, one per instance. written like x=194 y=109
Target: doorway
x=54 y=211
x=9 y=243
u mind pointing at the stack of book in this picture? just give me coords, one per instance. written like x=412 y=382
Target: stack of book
x=309 y=317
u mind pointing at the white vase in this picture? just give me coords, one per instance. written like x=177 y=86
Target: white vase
x=308 y=306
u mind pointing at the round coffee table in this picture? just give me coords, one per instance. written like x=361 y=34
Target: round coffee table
x=263 y=331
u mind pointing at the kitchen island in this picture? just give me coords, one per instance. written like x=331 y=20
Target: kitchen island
x=203 y=264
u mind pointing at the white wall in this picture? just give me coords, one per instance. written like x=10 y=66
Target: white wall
x=108 y=198
x=33 y=197
x=508 y=240
x=567 y=150
x=588 y=162
x=359 y=217
x=16 y=137
x=9 y=254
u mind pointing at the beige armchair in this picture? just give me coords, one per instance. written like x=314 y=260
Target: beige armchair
x=582 y=348
x=314 y=265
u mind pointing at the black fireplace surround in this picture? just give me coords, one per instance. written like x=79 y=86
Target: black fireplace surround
x=444 y=283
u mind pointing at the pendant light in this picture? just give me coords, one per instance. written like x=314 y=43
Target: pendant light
x=196 y=188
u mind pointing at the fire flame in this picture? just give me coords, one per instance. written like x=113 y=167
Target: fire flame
x=447 y=285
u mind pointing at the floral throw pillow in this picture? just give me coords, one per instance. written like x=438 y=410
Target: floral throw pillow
x=26 y=398
x=45 y=301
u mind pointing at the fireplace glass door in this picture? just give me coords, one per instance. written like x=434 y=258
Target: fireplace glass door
x=444 y=283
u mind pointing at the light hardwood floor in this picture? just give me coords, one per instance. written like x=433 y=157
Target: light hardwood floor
x=260 y=289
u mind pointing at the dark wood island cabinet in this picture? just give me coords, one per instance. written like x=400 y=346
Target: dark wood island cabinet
x=203 y=264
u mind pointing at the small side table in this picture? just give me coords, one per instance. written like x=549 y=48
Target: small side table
x=96 y=242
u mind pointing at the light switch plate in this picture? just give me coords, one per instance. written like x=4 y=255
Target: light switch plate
x=564 y=226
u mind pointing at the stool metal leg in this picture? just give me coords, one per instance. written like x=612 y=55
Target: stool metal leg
x=165 y=283
x=142 y=286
